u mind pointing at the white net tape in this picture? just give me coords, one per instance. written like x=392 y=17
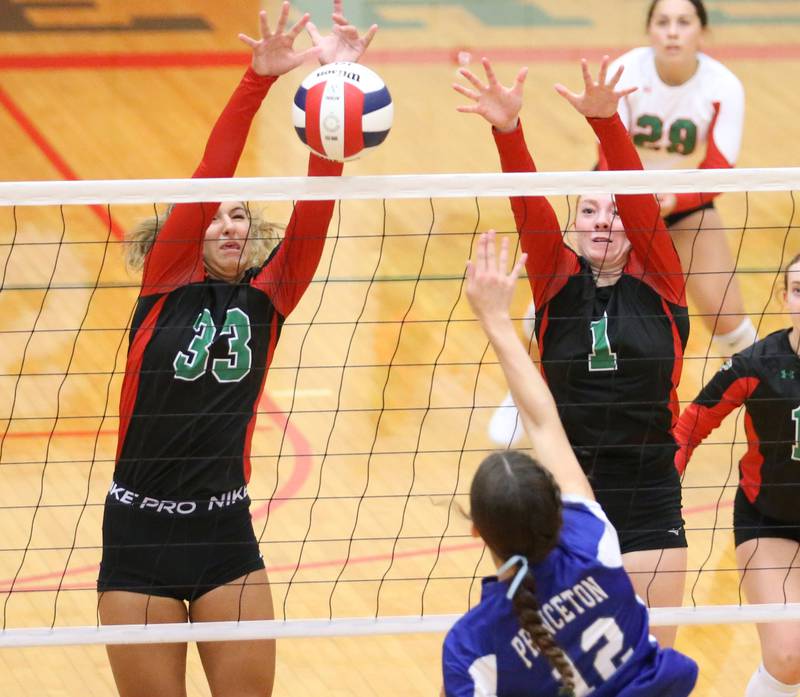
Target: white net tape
x=395 y=186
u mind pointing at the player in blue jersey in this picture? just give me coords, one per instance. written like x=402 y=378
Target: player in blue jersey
x=560 y=617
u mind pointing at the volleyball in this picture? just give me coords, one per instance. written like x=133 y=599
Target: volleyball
x=342 y=110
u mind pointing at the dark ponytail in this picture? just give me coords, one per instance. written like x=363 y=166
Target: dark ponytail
x=516 y=506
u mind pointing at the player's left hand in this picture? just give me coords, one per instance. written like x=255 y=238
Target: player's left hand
x=490 y=287
x=344 y=42
x=274 y=53
x=599 y=99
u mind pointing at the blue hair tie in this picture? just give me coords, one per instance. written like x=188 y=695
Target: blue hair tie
x=523 y=569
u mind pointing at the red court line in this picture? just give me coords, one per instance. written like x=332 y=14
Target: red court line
x=210 y=59
x=53 y=156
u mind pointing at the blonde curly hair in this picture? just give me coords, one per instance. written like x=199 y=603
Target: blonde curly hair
x=262 y=239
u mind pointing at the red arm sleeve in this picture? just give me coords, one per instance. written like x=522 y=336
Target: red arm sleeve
x=176 y=257
x=714 y=159
x=291 y=270
x=550 y=262
x=653 y=256
x=727 y=390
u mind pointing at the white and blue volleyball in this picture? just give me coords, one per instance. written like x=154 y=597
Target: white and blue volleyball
x=342 y=110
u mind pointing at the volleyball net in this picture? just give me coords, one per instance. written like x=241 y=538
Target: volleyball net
x=375 y=410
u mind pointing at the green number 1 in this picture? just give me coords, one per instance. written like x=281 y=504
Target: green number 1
x=192 y=364
x=796 y=446
x=601 y=357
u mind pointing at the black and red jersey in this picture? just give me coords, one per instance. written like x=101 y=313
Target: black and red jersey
x=611 y=355
x=200 y=348
x=765 y=378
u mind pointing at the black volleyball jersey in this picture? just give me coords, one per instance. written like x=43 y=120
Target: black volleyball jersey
x=612 y=356
x=765 y=378
x=200 y=348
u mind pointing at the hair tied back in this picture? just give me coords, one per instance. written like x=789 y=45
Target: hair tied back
x=523 y=570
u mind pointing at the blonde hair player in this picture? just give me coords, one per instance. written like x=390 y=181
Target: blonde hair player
x=765 y=378
x=178 y=540
x=561 y=616
x=611 y=324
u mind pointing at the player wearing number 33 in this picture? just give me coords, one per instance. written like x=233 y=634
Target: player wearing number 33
x=178 y=540
x=561 y=616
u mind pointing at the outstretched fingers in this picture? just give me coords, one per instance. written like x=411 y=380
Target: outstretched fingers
x=263 y=23
x=466 y=91
x=491 y=261
x=518 y=266
x=472 y=78
x=249 y=41
x=489 y=70
x=601 y=76
x=519 y=80
x=571 y=97
x=301 y=24
x=282 y=19
x=370 y=35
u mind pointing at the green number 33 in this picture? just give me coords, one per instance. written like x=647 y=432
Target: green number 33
x=193 y=363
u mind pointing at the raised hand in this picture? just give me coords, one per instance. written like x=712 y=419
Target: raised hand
x=498 y=104
x=599 y=99
x=274 y=53
x=490 y=287
x=344 y=42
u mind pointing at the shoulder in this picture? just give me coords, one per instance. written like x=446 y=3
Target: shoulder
x=587 y=530
x=636 y=62
x=467 y=655
x=774 y=344
x=718 y=78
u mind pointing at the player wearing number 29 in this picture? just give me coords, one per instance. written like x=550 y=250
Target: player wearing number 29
x=561 y=616
x=611 y=323
x=177 y=527
x=765 y=378
x=689 y=112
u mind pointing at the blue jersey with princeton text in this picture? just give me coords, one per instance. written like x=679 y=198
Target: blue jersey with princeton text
x=587 y=602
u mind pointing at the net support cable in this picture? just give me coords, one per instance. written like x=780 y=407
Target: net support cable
x=346 y=627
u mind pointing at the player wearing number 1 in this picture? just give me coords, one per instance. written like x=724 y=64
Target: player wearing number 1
x=560 y=617
x=765 y=378
x=178 y=541
x=612 y=324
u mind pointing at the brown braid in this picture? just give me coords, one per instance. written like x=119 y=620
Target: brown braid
x=515 y=504
x=527 y=609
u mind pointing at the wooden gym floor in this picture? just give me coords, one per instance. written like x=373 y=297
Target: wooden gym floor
x=379 y=369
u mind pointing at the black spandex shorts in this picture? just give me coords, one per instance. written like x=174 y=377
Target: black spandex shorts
x=645 y=512
x=749 y=523
x=673 y=218
x=175 y=557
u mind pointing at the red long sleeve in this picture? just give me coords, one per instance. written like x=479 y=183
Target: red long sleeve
x=653 y=256
x=288 y=274
x=176 y=257
x=550 y=262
